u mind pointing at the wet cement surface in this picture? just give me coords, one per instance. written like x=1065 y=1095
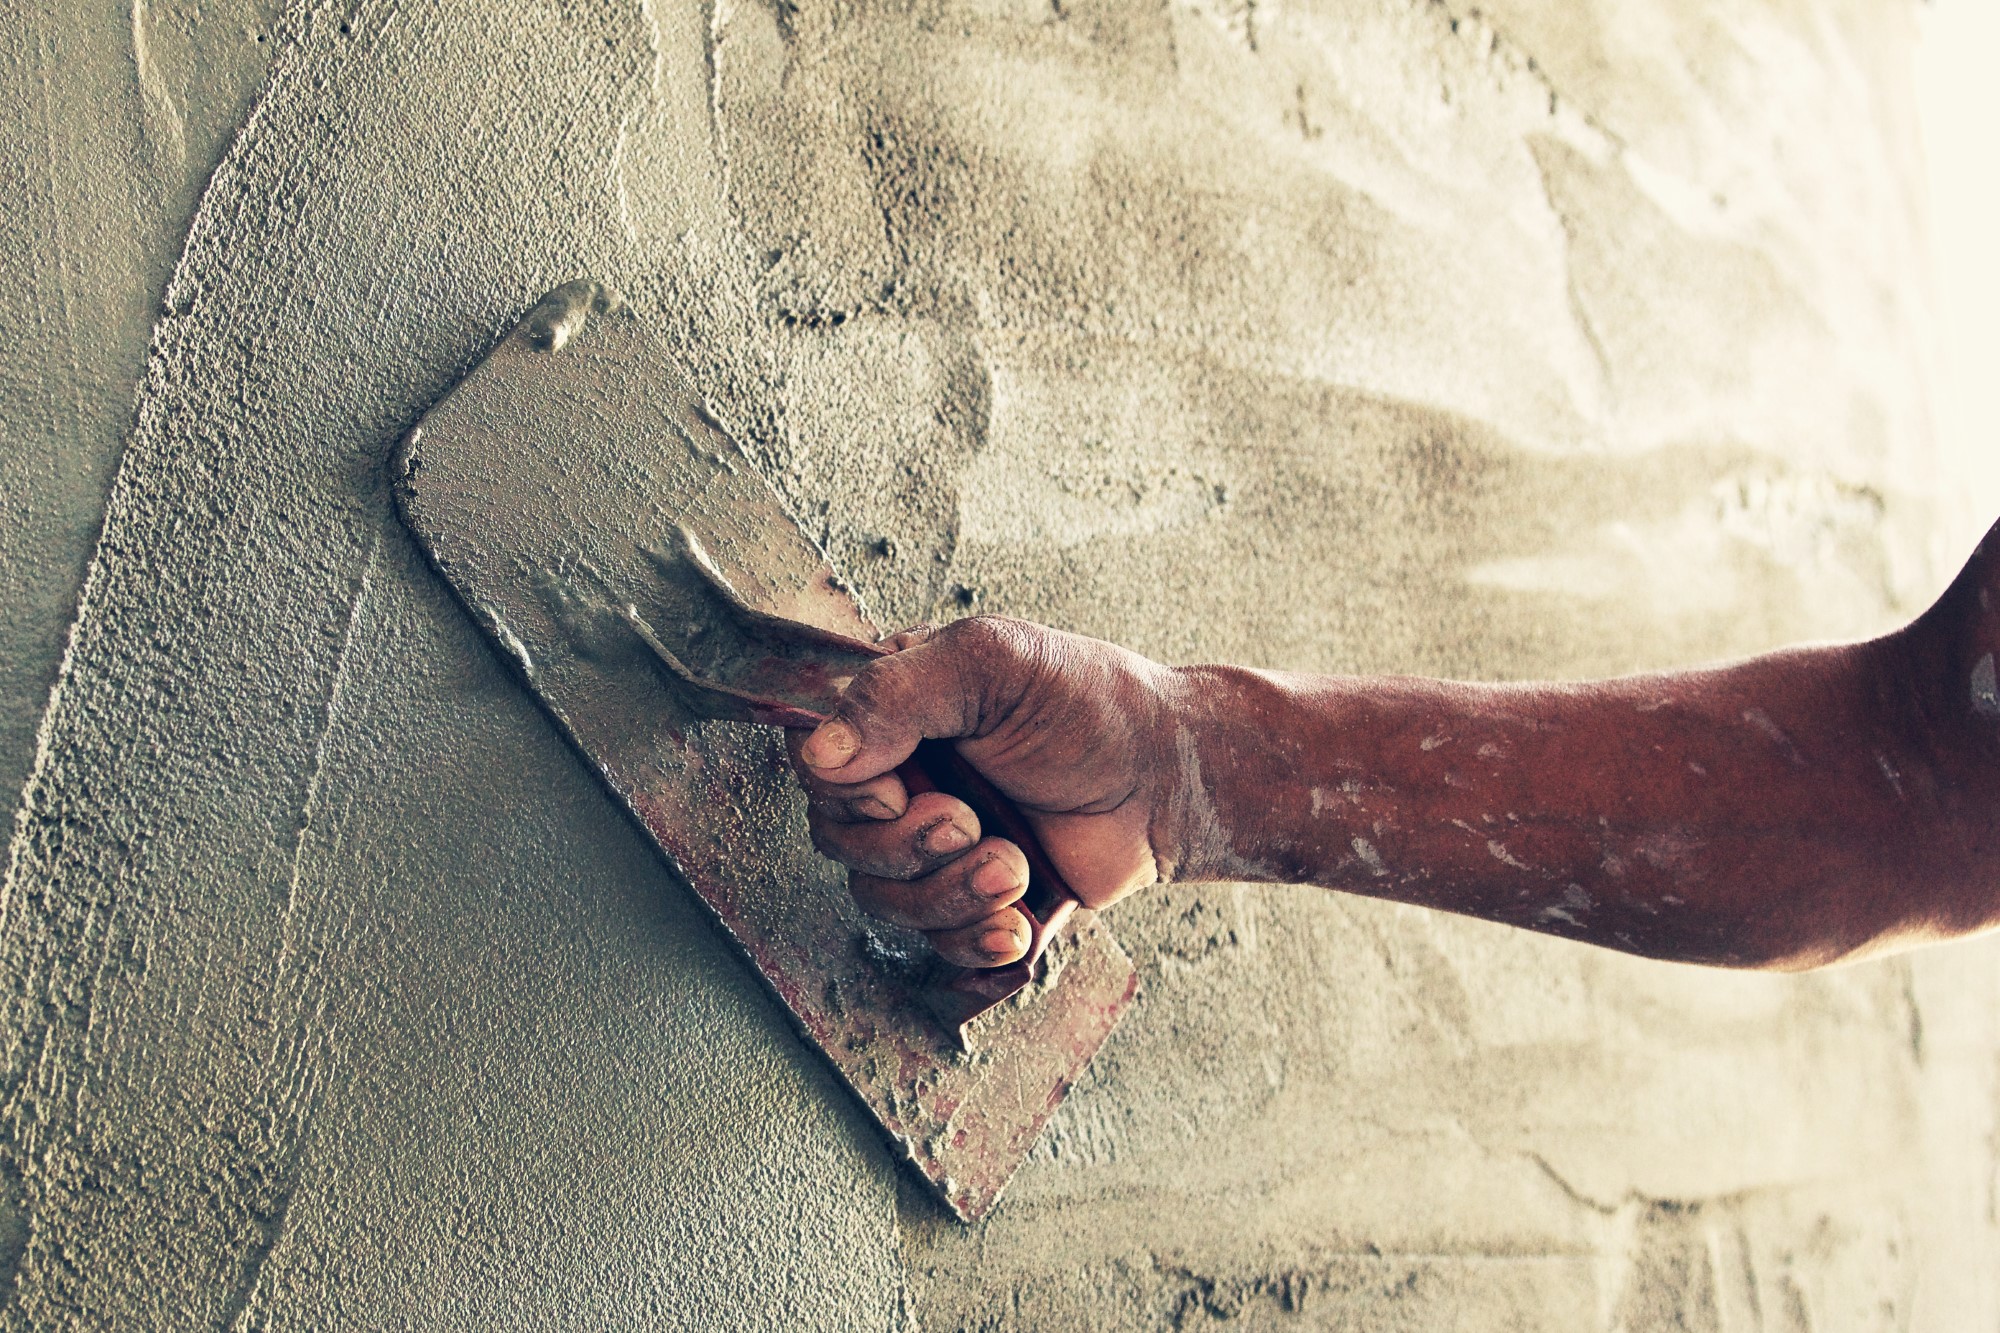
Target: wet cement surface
x=1368 y=336
x=115 y=116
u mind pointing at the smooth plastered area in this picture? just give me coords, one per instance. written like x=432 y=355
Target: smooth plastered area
x=1542 y=338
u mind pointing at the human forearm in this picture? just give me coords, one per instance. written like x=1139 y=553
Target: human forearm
x=1787 y=811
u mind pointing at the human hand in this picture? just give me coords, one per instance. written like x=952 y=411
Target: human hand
x=1069 y=728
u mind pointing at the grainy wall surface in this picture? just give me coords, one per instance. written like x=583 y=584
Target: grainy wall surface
x=1550 y=338
x=114 y=116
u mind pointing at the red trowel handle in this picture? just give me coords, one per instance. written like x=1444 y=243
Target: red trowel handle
x=938 y=766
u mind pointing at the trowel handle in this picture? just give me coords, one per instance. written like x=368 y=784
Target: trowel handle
x=938 y=766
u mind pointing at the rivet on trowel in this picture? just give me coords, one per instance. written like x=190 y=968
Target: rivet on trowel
x=560 y=315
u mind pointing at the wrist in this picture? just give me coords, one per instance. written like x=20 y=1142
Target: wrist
x=1226 y=737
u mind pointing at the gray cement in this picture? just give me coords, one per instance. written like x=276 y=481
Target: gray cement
x=1370 y=335
x=116 y=114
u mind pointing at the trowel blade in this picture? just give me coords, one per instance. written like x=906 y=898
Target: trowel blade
x=543 y=487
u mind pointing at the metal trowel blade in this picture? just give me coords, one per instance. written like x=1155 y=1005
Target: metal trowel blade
x=544 y=487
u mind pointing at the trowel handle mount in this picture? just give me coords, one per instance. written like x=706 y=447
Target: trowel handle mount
x=938 y=766
x=746 y=664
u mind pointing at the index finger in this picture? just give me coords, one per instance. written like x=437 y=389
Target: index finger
x=889 y=706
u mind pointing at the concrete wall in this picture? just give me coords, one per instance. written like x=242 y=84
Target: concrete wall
x=1391 y=335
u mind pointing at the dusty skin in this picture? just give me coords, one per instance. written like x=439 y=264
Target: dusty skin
x=1801 y=808
x=1542 y=339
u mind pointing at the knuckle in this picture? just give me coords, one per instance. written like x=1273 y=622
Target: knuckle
x=949 y=902
x=960 y=891
x=997 y=660
x=873 y=689
x=991 y=639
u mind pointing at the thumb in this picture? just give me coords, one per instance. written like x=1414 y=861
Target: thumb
x=930 y=691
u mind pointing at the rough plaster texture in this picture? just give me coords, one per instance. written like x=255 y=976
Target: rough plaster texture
x=114 y=116
x=1369 y=335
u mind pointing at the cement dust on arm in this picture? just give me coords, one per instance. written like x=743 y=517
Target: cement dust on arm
x=1788 y=811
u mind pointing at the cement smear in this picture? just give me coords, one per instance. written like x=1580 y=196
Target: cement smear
x=349 y=999
x=1382 y=335
x=114 y=116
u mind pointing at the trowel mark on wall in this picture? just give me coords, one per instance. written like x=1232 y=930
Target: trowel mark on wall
x=13 y=1225
x=1699 y=560
x=166 y=907
x=634 y=119
x=162 y=124
x=1085 y=498
x=1053 y=475
x=96 y=214
x=1416 y=515
x=297 y=975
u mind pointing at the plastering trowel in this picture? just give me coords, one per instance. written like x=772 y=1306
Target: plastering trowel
x=616 y=544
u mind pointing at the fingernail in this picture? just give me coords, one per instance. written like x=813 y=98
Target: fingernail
x=832 y=744
x=943 y=838
x=874 y=807
x=994 y=877
x=997 y=942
